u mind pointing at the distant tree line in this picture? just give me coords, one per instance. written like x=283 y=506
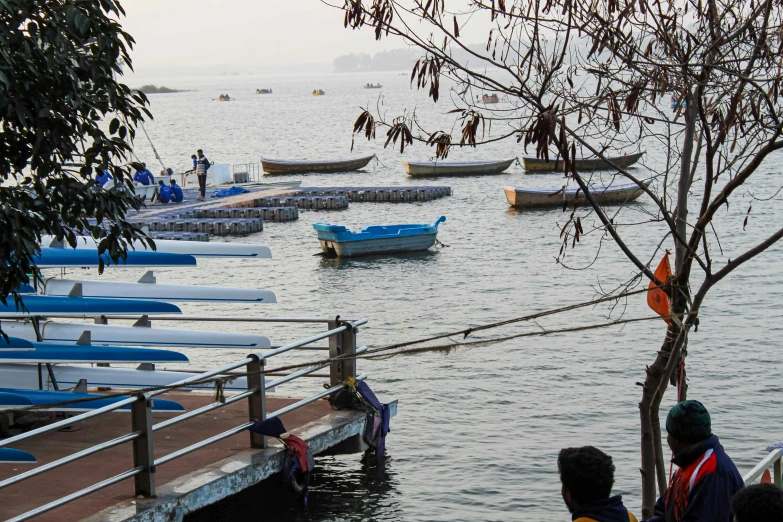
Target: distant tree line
x=154 y=89
x=393 y=60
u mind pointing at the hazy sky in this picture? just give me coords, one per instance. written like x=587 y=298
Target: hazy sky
x=186 y=33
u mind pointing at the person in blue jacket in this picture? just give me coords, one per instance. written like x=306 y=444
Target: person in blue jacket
x=144 y=177
x=701 y=489
x=103 y=178
x=587 y=475
x=176 y=192
x=164 y=192
x=758 y=503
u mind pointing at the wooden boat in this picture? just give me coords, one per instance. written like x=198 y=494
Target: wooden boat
x=553 y=197
x=263 y=91
x=11 y=398
x=491 y=98
x=273 y=166
x=224 y=97
x=318 y=92
x=371 y=86
x=148 y=289
x=582 y=164
x=338 y=241
x=98 y=334
x=443 y=168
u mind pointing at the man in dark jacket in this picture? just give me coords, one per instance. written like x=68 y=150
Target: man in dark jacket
x=701 y=489
x=587 y=475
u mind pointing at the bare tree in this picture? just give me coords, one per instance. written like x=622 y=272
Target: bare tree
x=587 y=78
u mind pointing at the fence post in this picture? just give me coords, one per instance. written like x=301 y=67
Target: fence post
x=256 y=403
x=143 y=450
x=341 y=344
x=777 y=473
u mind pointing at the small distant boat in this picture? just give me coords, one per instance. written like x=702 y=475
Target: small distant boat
x=490 y=98
x=318 y=92
x=338 y=241
x=675 y=103
x=443 y=168
x=224 y=97
x=371 y=86
x=263 y=91
x=582 y=164
x=273 y=166
x=552 y=197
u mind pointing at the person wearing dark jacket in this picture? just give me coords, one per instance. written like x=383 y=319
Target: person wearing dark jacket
x=202 y=166
x=758 y=503
x=701 y=489
x=587 y=475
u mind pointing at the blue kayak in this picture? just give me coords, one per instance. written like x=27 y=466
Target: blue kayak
x=52 y=305
x=22 y=351
x=13 y=400
x=42 y=397
x=15 y=456
x=82 y=257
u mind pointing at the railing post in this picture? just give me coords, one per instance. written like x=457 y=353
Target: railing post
x=776 y=471
x=143 y=450
x=341 y=344
x=256 y=403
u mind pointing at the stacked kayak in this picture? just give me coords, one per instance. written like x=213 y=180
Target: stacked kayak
x=12 y=398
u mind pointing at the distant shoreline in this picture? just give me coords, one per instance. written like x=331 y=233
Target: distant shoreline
x=154 y=89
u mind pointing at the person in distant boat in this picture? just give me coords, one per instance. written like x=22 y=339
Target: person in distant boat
x=701 y=489
x=176 y=192
x=104 y=177
x=164 y=192
x=144 y=176
x=202 y=166
x=587 y=475
x=758 y=503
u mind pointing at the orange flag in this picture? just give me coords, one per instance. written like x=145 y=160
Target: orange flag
x=657 y=298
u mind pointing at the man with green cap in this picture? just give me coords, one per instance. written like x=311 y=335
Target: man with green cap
x=701 y=489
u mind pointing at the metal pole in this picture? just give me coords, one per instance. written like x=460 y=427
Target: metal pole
x=348 y=366
x=143 y=450
x=777 y=473
x=341 y=344
x=256 y=402
x=335 y=349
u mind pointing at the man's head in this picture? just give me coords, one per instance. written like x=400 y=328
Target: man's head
x=160 y=182
x=193 y=156
x=587 y=474
x=758 y=503
x=173 y=182
x=200 y=153
x=687 y=423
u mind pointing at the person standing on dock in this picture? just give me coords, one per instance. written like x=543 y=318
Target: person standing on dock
x=202 y=166
x=176 y=192
x=587 y=475
x=701 y=489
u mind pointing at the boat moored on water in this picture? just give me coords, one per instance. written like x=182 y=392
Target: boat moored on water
x=490 y=98
x=318 y=92
x=338 y=241
x=371 y=86
x=444 y=168
x=274 y=166
x=531 y=163
x=524 y=198
x=224 y=97
x=263 y=91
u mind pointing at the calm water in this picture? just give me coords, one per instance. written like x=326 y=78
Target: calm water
x=478 y=430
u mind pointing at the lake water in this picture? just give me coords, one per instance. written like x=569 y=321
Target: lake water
x=478 y=430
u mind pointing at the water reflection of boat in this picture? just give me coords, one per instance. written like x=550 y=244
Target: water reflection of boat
x=224 y=97
x=263 y=91
x=582 y=164
x=371 y=86
x=318 y=92
x=519 y=197
x=443 y=168
x=273 y=166
x=338 y=241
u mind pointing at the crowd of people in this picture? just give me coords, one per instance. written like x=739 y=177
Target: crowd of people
x=705 y=488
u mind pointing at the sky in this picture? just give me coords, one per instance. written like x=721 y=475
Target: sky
x=183 y=35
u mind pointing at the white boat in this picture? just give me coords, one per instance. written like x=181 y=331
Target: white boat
x=148 y=289
x=450 y=168
x=100 y=334
x=68 y=376
x=552 y=197
x=170 y=246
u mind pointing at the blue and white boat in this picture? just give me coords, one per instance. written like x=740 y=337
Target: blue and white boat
x=11 y=398
x=170 y=246
x=89 y=258
x=58 y=306
x=17 y=350
x=337 y=240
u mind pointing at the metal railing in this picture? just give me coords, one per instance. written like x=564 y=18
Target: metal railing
x=342 y=340
x=251 y=171
x=774 y=460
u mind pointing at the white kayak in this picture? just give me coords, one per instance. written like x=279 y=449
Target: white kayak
x=149 y=290
x=68 y=376
x=53 y=332
x=193 y=248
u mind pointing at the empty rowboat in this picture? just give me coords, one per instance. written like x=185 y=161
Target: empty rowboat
x=582 y=164
x=553 y=197
x=273 y=166
x=338 y=241
x=444 y=168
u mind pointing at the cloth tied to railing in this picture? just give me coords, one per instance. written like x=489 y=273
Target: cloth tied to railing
x=378 y=430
